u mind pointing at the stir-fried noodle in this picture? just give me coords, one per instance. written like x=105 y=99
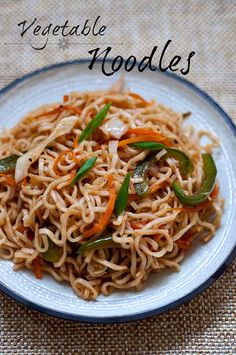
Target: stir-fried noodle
x=47 y=214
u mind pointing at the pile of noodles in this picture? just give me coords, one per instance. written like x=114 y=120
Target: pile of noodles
x=44 y=205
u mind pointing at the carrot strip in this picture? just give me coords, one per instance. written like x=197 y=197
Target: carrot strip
x=138 y=97
x=156 y=237
x=150 y=135
x=140 y=130
x=101 y=225
x=205 y=204
x=133 y=197
x=142 y=138
x=72 y=175
x=51 y=112
x=202 y=206
x=153 y=188
x=9 y=179
x=25 y=181
x=58 y=109
x=157 y=186
x=37 y=267
x=76 y=144
x=21 y=228
x=215 y=192
x=98 y=147
x=137 y=225
x=185 y=242
x=66 y=98
x=60 y=158
x=184 y=245
x=75 y=110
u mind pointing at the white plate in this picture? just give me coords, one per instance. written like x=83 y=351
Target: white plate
x=165 y=290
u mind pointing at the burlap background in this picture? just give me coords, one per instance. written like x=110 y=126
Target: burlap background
x=206 y=325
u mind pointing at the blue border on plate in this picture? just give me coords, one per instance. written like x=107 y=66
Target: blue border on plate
x=159 y=310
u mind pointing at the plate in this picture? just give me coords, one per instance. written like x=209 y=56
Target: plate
x=163 y=291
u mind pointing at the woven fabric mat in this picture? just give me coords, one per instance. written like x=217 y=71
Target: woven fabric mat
x=207 y=324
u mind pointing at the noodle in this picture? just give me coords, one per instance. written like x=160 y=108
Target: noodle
x=44 y=207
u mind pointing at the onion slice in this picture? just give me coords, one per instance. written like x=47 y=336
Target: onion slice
x=119 y=85
x=23 y=163
x=112 y=147
x=114 y=128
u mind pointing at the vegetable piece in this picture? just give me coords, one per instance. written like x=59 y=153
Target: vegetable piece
x=54 y=252
x=186 y=114
x=118 y=86
x=73 y=109
x=112 y=147
x=65 y=98
x=140 y=173
x=149 y=145
x=141 y=170
x=98 y=147
x=140 y=98
x=142 y=138
x=84 y=169
x=9 y=180
x=71 y=176
x=114 y=128
x=94 y=123
x=122 y=196
x=133 y=197
x=95 y=243
x=153 y=136
x=21 y=228
x=56 y=110
x=63 y=127
x=140 y=130
x=60 y=158
x=203 y=205
x=202 y=195
x=75 y=143
x=8 y=164
x=37 y=267
x=137 y=225
x=185 y=164
x=140 y=225
x=101 y=225
x=157 y=186
x=59 y=109
x=185 y=242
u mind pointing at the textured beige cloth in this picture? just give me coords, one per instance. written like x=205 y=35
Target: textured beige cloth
x=206 y=325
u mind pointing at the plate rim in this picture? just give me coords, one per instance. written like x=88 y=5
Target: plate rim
x=147 y=314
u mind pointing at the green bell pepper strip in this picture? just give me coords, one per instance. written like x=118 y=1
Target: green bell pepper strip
x=148 y=145
x=8 y=164
x=94 y=123
x=122 y=196
x=208 y=183
x=185 y=164
x=95 y=243
x=84 y=169
x=54 y=252
x=140 y=172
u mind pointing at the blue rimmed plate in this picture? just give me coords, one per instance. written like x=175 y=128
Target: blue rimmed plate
x=166 y=290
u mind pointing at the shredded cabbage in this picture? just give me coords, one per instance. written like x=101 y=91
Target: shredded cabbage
x=23 y=163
